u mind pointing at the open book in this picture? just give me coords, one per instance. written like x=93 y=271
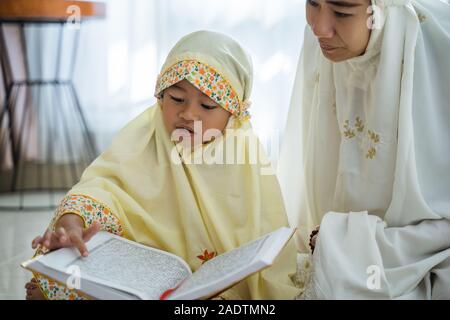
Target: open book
x=117 y=268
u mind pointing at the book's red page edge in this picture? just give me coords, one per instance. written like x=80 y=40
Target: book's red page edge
x=168 y=292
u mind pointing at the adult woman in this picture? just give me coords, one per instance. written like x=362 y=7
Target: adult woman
x=368 y=136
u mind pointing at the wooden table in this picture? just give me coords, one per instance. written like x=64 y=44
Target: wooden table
x=48 y=10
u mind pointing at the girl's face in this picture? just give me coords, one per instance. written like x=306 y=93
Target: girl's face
x=188 y=114
x=341 y=26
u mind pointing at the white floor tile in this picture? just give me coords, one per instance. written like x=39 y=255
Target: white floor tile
x=17 y=230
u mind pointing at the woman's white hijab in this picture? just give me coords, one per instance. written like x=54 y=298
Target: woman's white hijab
x=370 y=136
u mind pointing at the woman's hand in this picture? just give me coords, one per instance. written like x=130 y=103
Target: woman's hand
x=69 y=232
x=313 y=238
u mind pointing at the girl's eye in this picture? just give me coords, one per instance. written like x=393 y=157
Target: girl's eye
x=178 y=100
x=208 y=107
x=342 y=15
x=313 y=3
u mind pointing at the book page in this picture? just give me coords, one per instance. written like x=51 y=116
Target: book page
x=222 y=266
x=140 y=270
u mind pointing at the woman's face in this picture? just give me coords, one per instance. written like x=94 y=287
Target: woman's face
x=188 y=114
x=341 y=27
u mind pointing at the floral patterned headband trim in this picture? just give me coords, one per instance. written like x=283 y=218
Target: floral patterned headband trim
x=208 y=81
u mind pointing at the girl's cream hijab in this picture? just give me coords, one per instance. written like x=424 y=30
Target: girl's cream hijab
x=372 y=134
x=195 y=210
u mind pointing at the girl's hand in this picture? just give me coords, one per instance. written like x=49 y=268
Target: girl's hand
x=313 y=238
x=69 y=232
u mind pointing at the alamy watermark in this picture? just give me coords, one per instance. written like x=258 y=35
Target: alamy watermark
x=231 y=147
x=374 y=279
x=74 y=19
x=376 y=19
x=74 y=280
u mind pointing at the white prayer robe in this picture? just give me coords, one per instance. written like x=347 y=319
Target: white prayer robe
x=366 y=155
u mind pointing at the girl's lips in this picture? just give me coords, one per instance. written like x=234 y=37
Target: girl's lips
x=184 y=128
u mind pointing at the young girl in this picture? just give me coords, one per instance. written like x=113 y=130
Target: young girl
x=147 y=187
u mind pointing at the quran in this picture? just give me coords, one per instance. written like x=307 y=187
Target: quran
x=118 y=268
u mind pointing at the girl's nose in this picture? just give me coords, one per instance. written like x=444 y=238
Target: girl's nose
x=189 y=112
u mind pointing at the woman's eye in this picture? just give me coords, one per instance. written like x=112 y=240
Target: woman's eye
x=342 y=15
x=313 y=3
x=208 y=107
x=178 y=100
